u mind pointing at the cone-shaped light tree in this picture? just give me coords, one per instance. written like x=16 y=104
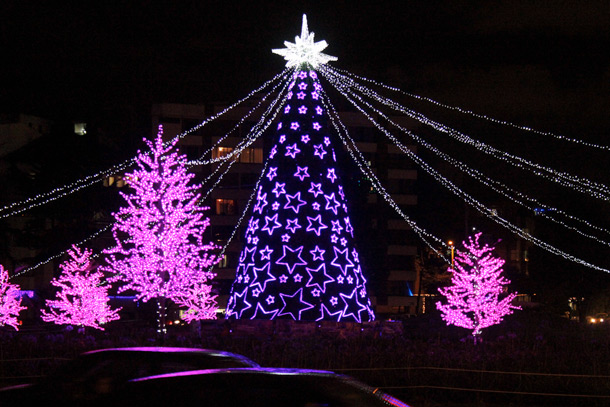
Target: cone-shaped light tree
x=10 y=302
x=299 y=260
x=476 y=298
x=159 y=252
x=82 y=298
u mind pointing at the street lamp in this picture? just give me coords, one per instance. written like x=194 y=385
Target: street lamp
x=452 y=247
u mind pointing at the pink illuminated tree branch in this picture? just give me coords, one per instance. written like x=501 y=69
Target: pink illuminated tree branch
x=82 y=298
x=159 y=252
x=10 y=302
x=474 y=299
x=199 y=301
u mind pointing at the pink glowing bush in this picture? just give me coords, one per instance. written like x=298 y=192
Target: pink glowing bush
x=159 y=252
x=82 y=298
x=10 y=302
x=474 y=299
x=199 y=301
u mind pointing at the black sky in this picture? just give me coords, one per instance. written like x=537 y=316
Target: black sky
x=516 y=58
x=539 y=63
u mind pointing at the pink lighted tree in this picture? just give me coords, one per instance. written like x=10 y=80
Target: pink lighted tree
x=199 y=301
x=159 y=252
x=473 y=299
x=82 y=298
x=10 y=302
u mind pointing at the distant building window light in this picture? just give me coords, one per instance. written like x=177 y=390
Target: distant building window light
x=251 y=155
x=80 y=128
x=223 y=264
x=219 y=152
x=114 y=180
x=226 y=207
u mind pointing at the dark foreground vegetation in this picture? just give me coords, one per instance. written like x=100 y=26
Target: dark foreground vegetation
x=532 y=359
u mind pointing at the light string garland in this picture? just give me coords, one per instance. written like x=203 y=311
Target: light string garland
x=462 y=194
x=59 y=192
x=260 y=128
x=282 y=82
x=200 y=161
x=58 y=255
x=264 y=170
x=470 y=112
x=494 y=185
x=580 y=184
x=366 y=170
x=255 y=132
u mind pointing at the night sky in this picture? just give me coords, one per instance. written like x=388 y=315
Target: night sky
x=544 y=64
x=547 y=60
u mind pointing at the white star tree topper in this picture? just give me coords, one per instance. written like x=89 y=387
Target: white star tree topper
x=304 y=50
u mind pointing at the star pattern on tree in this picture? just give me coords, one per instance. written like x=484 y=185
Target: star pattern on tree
x=294 y=306
x=307 y=266
x=291 y=258
x=318 y=277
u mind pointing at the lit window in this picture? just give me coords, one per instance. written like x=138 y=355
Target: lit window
x=114 y=180
x=80 y=128
x=223 y=264
x=219 y=152
x=226 y=207
x=251 y=155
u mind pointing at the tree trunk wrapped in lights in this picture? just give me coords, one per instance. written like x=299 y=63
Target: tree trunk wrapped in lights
x=159 y=252
x=473 y=299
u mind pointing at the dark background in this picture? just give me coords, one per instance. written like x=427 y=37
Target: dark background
x=542 y=64
x=543 y=61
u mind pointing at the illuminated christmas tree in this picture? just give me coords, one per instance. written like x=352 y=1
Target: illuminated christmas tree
x=299 y=260
x=10 y=302
x=159 y=252
x=82 y=298
x=477 y=284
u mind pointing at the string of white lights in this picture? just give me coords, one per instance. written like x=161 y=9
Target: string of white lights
x=202 y=161
x=470 y=112
x=538 y=208
x=50 y=199
x=255 y=132
x=243 y=214
x=366 y=170
x=580 y=184
x=28 y=269
x=497 y=186
x=583 y=185
x=96 y=234
x=62 y=191
x=462 y=194
x=281 y=101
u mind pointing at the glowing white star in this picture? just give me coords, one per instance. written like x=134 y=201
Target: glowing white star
x=304 y=50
